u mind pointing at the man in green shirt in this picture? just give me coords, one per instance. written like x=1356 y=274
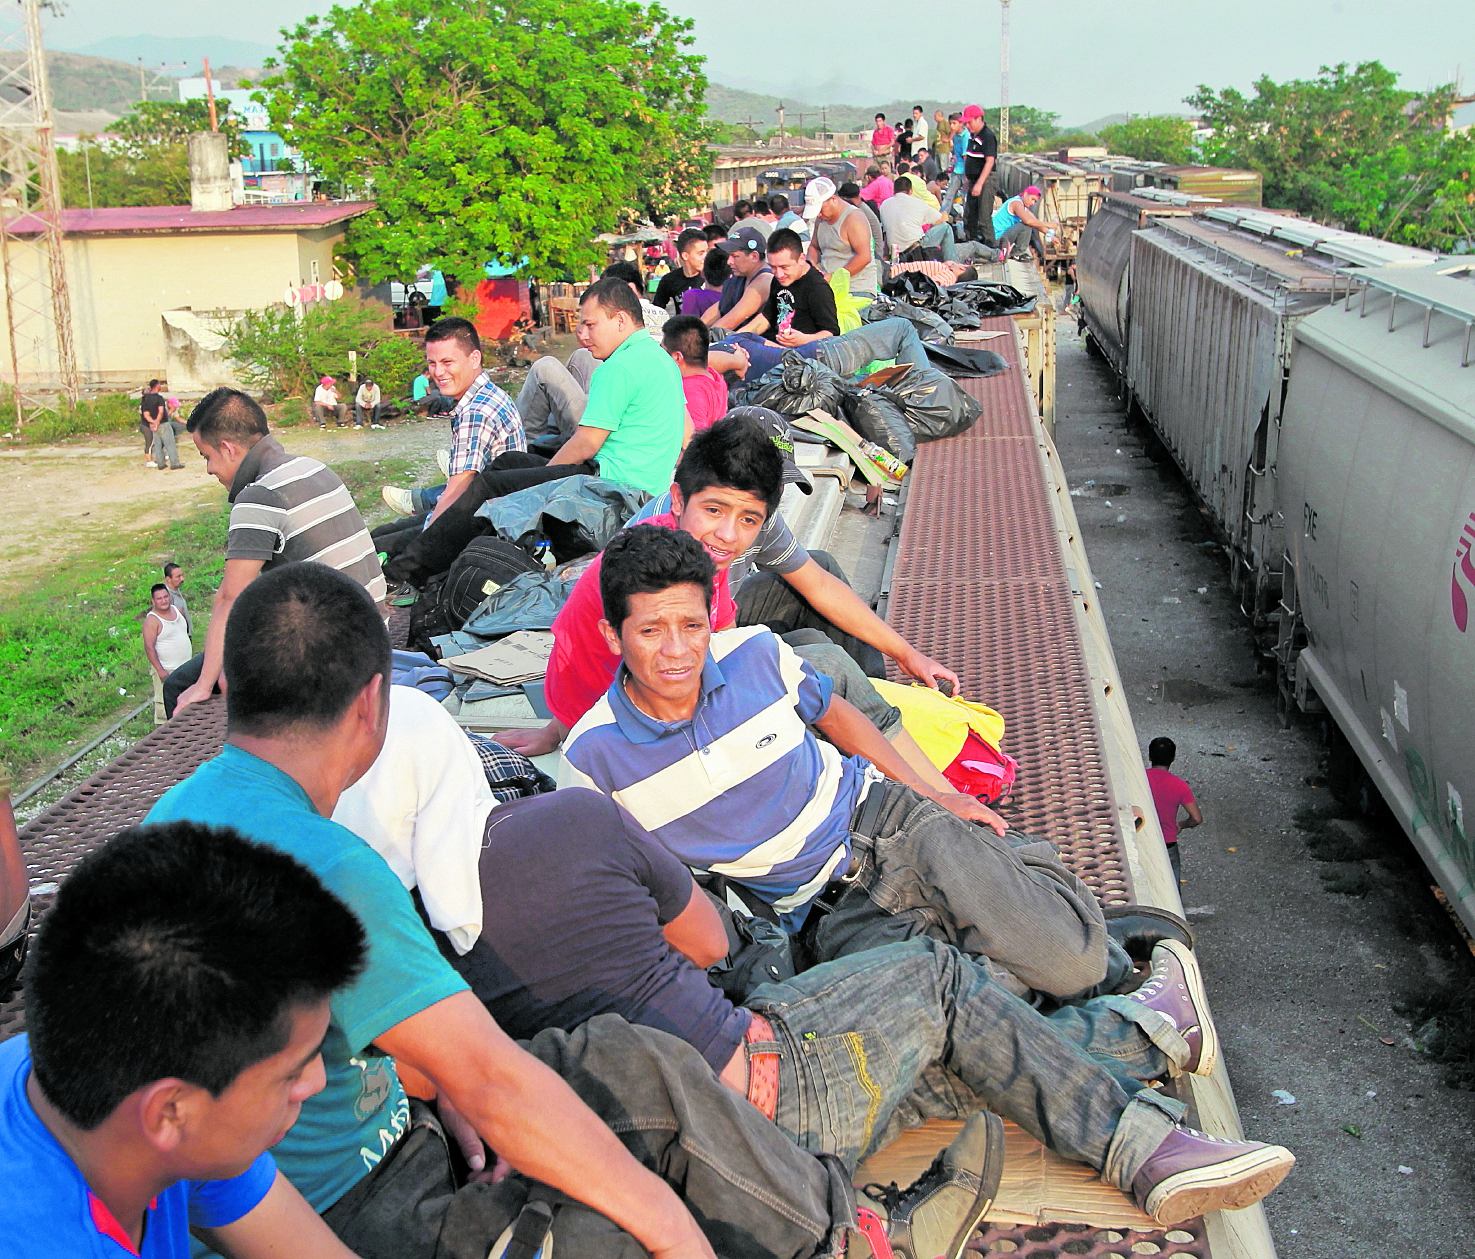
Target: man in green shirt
x=632 y=431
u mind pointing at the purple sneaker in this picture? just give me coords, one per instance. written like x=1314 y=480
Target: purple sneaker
x=1191 y=1173
x=1176 y=989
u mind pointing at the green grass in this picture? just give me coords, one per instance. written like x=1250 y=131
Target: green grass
x=112 y=413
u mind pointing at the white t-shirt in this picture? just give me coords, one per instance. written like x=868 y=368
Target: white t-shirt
x=905 y=218
x=368 y=395
x=919 y=134
x=326 y=397
x=423 y=807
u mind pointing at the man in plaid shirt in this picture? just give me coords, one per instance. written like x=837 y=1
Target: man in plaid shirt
x=484 y=424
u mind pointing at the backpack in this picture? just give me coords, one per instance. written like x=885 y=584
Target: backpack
x=428 y=619
x=486 y=565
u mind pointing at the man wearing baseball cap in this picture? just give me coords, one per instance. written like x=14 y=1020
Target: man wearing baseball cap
x=745 y=292
x=979 y=157
x=841 y=238
x=1015 y=224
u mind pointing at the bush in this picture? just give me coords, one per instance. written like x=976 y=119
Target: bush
x=394 y=364
x=281 y=354
x=112 y=413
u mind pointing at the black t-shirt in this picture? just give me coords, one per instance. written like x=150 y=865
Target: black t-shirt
x=673 y=284
x=811 y=300
x=574 y=897
x=982 y=146
x=150 y=404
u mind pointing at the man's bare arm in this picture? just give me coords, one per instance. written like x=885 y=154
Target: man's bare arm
x=455 y=487
x=697 y=931
x=531 y=1117
x=748 y=305
x=988 y=169
x=150 y=637
x=280 y=1226
x=584 y=444
x=237 y=576
x=857 y=233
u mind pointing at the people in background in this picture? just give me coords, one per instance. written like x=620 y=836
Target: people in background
x=876 y=186
x=842 y=238
x=1170 y=794
x=149 y=404
x=698 y=301
x=957 y=142
x=1017 y=227
x=786 y=216
x=883 y=139
x=912 y=225
x=367 y=404
x=850 y=192
x=163 y=451
x=325 y=403
x=174 y=579
x=691 y=252
x=919 y=133
x=685 y=339
x=166 y=640
x=980 y=151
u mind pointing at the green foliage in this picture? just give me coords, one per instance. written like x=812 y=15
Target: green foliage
x=148 y=164
x=112 y=413
x=1152 y=138
x=1417 y=193
x=1029 y=128
x=1306 y=135
x=1074 y=140
x=493 y=129
x=281 y=354
x=393 y=364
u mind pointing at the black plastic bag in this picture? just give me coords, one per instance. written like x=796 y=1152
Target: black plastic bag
x=985 y=298
x=931 y=326
x=877 y=415
x=915 y=287
x=576 y=515
x=795 y=387
x=966 y=360
x=934 y=406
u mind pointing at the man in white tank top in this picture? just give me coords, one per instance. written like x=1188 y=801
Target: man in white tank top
x=166 y=642
x=842 y=238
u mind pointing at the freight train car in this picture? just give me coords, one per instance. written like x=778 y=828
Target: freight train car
x=1377 y=488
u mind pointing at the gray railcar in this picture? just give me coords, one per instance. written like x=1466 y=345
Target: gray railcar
x=1377 y=487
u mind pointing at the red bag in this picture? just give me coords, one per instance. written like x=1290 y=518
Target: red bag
x=982 y=771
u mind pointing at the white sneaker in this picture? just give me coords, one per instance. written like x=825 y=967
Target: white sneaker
x=443 y=462
x=399 y=499
x=149 y=463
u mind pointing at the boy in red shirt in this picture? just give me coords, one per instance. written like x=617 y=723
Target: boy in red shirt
x=1169 y=792
x=684 y=338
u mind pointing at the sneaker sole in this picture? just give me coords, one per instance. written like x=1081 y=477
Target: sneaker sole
x=1229 y=1186
x=1208 y=1034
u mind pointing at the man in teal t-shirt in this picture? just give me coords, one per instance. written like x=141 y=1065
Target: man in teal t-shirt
x=635 y=420
x=309 y=664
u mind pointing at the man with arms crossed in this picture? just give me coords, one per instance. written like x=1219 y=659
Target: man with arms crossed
x=309 y=662
x=284 y=509
x=174 y=1032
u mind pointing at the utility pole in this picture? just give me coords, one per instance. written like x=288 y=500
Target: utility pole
x=38 y=308
x=780 y=112
x=1004 y=77
x=210 y=96
x=143 y=93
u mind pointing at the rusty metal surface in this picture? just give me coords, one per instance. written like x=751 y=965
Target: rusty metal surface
x=980 y=583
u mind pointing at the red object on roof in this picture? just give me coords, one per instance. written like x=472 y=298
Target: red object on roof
x=292 y=216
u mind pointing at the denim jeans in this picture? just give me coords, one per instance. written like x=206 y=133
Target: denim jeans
x=893 y=338
x=426 y=499
x=164 y=447
x=940 y=236
x=978 y=212
x=955 y=188
x=924 y=871
x=372 y=413
x=850 y=680
x=765 y=599
x=1020 y=236
x=749 y=1187
x=878 y=1042
x=552 y=399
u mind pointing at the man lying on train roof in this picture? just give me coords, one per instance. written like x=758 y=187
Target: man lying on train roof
x=726 y=494
x=925 y=1032
x=309 y=662
x=705 y=739
x=175 y=1030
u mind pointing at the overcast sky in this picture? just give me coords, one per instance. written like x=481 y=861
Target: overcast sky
x=1080 y=58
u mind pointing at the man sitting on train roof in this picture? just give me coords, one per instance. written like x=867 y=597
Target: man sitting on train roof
x=175 y=1030
x=307 y=709
x=726 y=493
x=1017 y=227
x=847 y=823
x=921 y=1012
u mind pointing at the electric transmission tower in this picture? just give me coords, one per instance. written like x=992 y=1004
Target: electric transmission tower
x=1004 y=77
x=38 y=308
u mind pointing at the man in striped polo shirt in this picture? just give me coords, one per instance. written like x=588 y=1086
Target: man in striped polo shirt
x=704 y=739
x=284 y=509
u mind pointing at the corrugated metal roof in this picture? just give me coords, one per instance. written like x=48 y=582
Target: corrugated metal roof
x=293 y=216
x=1348 y=248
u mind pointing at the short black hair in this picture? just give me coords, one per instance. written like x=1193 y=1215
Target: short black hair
x=903 y=166
x=785 y=238
x=848 y=190
x=302 y=642
x=627 y=271
x=688 y=238
x=1162 y=751
x=742 y=208
x=453 y=328
x=170 y=567
x=955 y=117
x=153 y=384
x=778 y=203
x=873 y=169
x=760 y=206
x=178 y=950
x=734 y=454
x=228 y=414
x=156 y=587
x=715 y=269
x=646 y=559
x=882 y=117
x=919 y=109
x=714 y=232
x=686 y=335
x=612 y=294
x=903 y=183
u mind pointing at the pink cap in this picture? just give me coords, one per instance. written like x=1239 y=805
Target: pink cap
x=972 y=112
x=1033 y=190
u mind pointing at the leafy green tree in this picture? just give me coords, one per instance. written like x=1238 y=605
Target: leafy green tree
x=1303 y=135
x=1420 y=192
x=154 y=125
x=495 y=128
x=1152 y=138
x=1029 y=128
x=282 y=353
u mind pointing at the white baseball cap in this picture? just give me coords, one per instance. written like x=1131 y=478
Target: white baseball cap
x=816 y=193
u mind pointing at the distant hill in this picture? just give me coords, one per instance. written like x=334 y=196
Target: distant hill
x=181 y=54
x=86 y=84
x=734 y=105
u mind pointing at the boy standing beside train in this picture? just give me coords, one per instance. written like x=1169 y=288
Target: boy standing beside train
x=1169 y=794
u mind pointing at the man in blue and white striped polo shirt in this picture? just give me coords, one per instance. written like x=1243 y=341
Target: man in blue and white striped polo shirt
x=704 y=738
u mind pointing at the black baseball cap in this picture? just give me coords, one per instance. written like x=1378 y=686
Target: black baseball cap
x=745 y=240
x=776 y=427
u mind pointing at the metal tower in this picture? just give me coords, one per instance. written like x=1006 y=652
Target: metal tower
x=38 y=308
x=1004 y=77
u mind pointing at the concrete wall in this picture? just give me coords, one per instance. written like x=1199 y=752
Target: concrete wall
x=121 y=285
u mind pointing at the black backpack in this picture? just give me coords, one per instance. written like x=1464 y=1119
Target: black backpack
x=487 y=563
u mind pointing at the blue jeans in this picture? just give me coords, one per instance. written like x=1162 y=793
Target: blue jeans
x=893 y=338
x=940 y=235
x=876 y=1043
x=956 y=185
x=425 y=500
